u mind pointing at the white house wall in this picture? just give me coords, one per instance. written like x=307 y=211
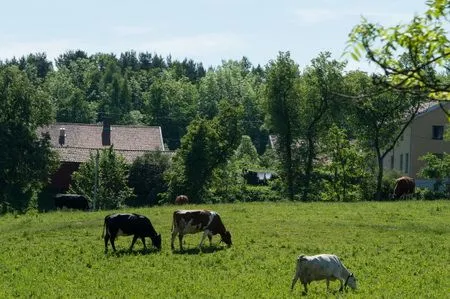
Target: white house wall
x=417 y=141
x=422 y=141
x=401 y=154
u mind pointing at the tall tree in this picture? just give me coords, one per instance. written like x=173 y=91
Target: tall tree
x=66 y=59
x=115 y=92
x=233 y=80
x=207 y=145
x=346 y=168
x=380 y=117
x=69 y=100
x=283 y=112
x=187 y=68
x=171 y=104
x=129 y=60
x=319 y=85
x=26 y=160
x=36 y=66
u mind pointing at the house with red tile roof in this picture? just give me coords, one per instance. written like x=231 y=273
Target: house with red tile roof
x=75 y=142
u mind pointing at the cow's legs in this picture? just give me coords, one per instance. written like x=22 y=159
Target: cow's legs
x=180 y=238
x=201 y=241
x=209 y=235
x=106 y=242
x=112 y=238
x=133 y=241
x=305 y=285
x=328 y=285
x=342 y=285
x=143 y=242
x=174 y=234
x=294 y=280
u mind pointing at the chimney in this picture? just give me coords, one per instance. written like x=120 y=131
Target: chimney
x=62 y=136
x=106 y=133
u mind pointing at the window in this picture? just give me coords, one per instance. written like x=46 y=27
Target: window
x=438 y=132
x=392 y=162
x=406 y=162
x=401 y=162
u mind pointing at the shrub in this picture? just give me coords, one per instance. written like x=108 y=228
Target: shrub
x=428 y=194
x=112 y=189
x=147 y=177
x=344 y=167
x=388 y=183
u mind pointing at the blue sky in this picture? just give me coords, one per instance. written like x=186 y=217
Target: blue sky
x=206 y=31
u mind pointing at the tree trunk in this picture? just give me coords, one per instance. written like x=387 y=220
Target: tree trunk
x=379 y=176
x=308 y=169
x=290 y=175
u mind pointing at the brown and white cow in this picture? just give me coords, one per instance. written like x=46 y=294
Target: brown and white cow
x=181 y=200
x=194 y=221
x=404 y=187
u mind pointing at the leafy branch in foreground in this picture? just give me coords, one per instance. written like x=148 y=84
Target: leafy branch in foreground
x=423 y=42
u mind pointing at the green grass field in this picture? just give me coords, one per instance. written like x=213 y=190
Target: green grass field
x=395 y=249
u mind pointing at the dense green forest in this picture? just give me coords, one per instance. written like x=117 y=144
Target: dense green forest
x=332 y=127
x=217 y=120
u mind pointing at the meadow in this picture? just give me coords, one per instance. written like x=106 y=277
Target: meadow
x=395 y=249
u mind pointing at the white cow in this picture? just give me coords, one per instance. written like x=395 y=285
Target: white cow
x=320 y=267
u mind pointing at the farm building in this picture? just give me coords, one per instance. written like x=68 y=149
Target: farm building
x=75 y=142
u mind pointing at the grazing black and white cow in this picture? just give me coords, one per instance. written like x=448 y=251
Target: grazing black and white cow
x=71 y=201
x=404 y=187
x=194 y=221
x=129 y=224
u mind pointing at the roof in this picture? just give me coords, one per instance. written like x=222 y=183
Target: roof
x=429 y=107
x=273 y=139
x=82 y=139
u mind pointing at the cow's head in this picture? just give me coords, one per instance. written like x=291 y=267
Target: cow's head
x=226 y=237
x=351 y=281
x=157 y=241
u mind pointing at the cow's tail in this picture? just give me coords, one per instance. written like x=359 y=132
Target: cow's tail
x=104 y=227
x=297 y=271
x=173 y=221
